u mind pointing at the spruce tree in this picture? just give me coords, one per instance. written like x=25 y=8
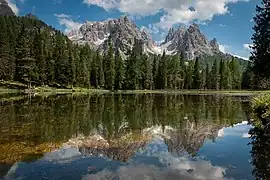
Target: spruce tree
x=162 y=76
x=196 y=83
x=235 y=74
x=215 y=76
x=132 y=72
x=261 y=42
x=100 y=71
x=207 y=77
x=109 y=65
x=94 y=71
x=25 y=65
x=71 y=64
x=120 y=71
x=147 y=73
x=155 y=71
x=188 y=75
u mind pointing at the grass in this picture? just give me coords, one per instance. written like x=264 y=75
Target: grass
x=195 y=92
x=17 y=87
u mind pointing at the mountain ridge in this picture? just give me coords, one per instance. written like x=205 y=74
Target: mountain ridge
x=188 y=41
x=5 y=9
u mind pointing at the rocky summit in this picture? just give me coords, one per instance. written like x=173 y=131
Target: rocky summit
x=5 y=9
x=188 y=41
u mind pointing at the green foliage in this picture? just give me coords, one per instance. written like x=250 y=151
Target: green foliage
x=261 y=107
x=261 y=39
x=35 y=54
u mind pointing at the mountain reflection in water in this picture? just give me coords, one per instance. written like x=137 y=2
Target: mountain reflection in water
x=116 y=136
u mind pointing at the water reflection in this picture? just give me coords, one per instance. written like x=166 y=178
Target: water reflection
x=260 y=153
x=135 y=131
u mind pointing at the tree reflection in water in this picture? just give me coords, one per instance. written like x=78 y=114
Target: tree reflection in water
x=260 y=153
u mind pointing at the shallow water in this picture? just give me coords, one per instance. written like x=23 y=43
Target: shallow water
x=123 y=136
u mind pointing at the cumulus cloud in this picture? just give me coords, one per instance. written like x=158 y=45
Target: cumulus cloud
x=247 y=46
x=13 y=6
x=67 y=21
x=175 y=11
x=223 y=48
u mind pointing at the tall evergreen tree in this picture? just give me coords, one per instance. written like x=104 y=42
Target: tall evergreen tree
x=235 y=74
x=155 y=71
x=162 y=76
x=261 y=42
x=188 y=75
x=196 y=83
x=101 y=78
x=120 y=71
x=25 y=64
x=132 y=72
x=147 y=73
x=109 y=66
x=215 y=76
x=207 y=77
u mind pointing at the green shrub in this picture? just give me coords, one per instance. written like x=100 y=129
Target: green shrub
x=261 y=108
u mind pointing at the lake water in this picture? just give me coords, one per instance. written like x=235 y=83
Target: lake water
x=127 y=136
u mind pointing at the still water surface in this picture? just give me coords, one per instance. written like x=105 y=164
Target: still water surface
x=128 y=137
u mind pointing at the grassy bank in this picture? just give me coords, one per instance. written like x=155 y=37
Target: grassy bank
x=196 y=92
x=16 y=87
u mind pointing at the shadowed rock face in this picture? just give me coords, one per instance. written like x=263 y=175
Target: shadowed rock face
x=5 y=10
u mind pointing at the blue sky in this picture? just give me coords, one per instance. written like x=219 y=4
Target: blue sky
x=230 y=21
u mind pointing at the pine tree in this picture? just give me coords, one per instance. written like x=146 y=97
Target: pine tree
x=120 y=71
x=147 y=73
x=132 y=72
x=162 y=76
x=215 y=76
x=207 y=77
x=25 y=65
x=101 y=79
x=109 y=67
x=235 y=74
x=188 y=75
x=94 y=71
x=196 y=83
x=155 y=71
x=71 y=64
x=261 y=42
x=247 y=78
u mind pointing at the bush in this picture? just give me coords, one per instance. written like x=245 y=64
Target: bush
x=261 y=108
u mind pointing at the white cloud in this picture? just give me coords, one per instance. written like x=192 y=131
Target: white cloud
x=223 y=48
x=175 y=11
x=152 y=29
x=69 y=24
x=247 y=46
x=222 y=25
x=13 y=6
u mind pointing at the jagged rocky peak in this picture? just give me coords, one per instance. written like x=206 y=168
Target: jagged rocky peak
x=122 y=32
x=31 y=16
x=5 y=9
x=214 y=45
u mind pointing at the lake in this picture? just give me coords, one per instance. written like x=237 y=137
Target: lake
x=128 y=136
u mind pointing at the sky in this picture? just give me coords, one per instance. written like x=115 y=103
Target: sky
x=229 y=21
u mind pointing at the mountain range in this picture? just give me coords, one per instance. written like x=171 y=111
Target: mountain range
x=124 y=33
x=189 y=42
